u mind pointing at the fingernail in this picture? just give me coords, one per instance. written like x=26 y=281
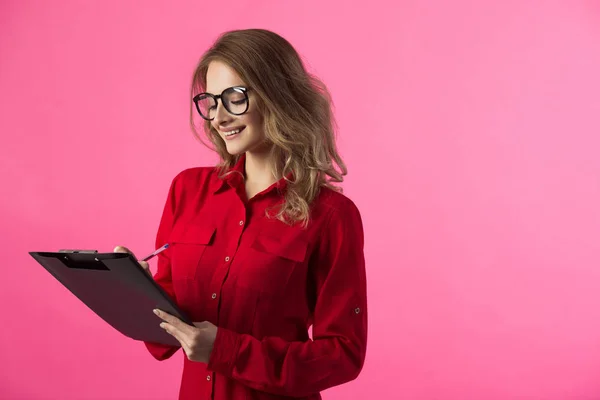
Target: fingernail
x=155 y=311
x=162 y=325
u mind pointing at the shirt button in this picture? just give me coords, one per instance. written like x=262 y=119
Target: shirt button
x=214 y=296
x=226 y=259
x=357 y=310
x=241 y=223
x=208 y=377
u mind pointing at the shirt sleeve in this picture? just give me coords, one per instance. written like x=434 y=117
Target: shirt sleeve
x=337 y=352
x=163 y=272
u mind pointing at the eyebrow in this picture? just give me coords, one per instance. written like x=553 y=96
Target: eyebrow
x=228 y=87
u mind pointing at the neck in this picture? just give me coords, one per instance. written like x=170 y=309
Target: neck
x=259 y=169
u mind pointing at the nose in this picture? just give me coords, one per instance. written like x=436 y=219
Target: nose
x=222 y=116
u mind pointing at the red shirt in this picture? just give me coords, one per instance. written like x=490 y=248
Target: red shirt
x=263 y=284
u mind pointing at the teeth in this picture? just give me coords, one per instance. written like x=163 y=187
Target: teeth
x=232 y=132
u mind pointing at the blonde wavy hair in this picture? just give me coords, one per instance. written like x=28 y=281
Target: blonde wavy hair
x=297 y=114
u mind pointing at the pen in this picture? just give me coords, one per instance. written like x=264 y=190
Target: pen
x=156 y=252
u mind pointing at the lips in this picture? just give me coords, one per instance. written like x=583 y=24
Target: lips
x=231 y=133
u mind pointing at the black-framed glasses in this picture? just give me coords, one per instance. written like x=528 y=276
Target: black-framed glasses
x=234 y=99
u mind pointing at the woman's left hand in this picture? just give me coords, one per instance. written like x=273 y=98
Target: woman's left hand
x=197 y=340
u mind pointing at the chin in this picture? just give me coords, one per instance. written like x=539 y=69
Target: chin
x=235 y=150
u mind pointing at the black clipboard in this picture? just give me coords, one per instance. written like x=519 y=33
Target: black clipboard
x=116 y=288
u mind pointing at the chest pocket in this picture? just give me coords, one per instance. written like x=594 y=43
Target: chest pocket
x=276 y=254
x=188 y=244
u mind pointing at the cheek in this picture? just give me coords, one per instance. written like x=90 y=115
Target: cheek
x=254 y=115
x=255 y=121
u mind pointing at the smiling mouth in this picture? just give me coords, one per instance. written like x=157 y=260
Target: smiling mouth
x=233 y=132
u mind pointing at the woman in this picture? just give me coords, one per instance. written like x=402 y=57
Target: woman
x=263 y=247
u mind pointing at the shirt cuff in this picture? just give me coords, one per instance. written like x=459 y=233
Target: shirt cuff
x=224 y=353
x=160 y=351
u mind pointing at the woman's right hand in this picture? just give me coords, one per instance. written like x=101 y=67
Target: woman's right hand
x=144 y=264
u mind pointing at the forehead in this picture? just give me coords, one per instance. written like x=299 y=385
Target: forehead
x=221 y=76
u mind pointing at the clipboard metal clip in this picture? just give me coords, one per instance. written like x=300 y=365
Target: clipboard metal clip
x=77 y=251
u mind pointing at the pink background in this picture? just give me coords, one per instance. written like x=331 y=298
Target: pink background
x=471 y=131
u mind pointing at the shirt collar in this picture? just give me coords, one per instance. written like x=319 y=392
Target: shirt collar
x=235 y=177
x=232 y=177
